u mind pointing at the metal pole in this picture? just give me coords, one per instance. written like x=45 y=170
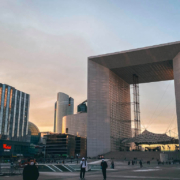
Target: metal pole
x=137 y=123
x=45 y=153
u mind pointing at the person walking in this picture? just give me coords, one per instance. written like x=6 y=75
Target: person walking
x=30 y=171
x=83 y=165
x=104 y=167
x=112 y=164
x=140 y=162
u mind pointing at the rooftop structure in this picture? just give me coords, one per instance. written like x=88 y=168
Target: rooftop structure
x=33 y=129
x=150 y=138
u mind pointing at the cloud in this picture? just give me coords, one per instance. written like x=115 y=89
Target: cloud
x=42 y=64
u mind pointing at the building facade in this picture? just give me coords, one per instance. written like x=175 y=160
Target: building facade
x=109 y=80
x=108 y=120
x=14 y=113
x=75 y=124
x=35 y=133
x=65 y=145
x=55 y=107
x=64 y=107
x=13 y=149
x=82 y=107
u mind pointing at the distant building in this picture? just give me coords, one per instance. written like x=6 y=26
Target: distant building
x=64 y=107
x=75 y=124
x=65 y=145
x=14 y=113
x=42 y=135
x=35 y=134
x=13 y=149
x=82 y=107
x=55 y=107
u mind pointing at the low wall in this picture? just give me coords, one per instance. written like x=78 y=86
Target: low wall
x=140 y=155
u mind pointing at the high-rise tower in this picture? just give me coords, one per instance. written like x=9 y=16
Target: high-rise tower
x=14 y=113
x=64 y=106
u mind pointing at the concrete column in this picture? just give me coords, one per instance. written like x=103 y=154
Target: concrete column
x=98 y=120
x=176 y=70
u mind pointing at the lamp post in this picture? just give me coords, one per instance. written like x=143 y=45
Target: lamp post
x=44 y=153
x=44 y=149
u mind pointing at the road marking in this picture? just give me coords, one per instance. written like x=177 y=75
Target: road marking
x=50 y=168
x=145 y=177
x=146 y=170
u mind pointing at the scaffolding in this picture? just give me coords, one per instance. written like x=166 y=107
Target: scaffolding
x=137 y=122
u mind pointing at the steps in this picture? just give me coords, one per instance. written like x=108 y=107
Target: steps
x=54 y=168
x=64 y=168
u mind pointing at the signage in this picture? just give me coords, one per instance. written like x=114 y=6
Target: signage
x=19 y=154
x=6 y=150
x=5 y=146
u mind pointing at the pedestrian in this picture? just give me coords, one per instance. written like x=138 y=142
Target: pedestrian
x=104 y=167
x=12 y=167
x=30 y=171
x=83 y=165
x=112 y=164
x=140 y=162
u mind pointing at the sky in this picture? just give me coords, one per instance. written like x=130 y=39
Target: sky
x=44 y=46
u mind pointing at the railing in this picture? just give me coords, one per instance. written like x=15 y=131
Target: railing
x=7 y=169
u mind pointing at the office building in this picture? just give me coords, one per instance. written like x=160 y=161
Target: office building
x=55 y=107
x=63 y=107
x=109 y=80
x=65 y=145
x=82 y=107
x=14 y=113
x=14 y=149
x=75 y=124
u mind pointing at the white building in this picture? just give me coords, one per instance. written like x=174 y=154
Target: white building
x=75 y=124
x=64 y=106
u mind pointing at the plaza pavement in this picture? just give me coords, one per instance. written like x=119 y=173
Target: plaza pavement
x=122 y=172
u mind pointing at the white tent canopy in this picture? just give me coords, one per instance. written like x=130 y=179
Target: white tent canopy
x=149 y=138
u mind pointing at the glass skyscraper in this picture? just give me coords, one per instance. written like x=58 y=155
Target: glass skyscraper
x=14 y=113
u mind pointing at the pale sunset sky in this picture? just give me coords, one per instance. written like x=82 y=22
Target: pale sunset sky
x=44 y=45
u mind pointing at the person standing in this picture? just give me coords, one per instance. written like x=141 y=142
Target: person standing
x=112 y=164
x=30 y=171
x=104 y=167
x=83 y=165
x=12 y=167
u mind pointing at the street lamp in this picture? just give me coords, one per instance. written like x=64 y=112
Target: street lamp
x=44 y=149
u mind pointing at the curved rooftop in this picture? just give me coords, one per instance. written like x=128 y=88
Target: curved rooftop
x=33 y=129
x=149 y=138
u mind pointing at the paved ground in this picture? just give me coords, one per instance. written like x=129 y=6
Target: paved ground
x=122 y=172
